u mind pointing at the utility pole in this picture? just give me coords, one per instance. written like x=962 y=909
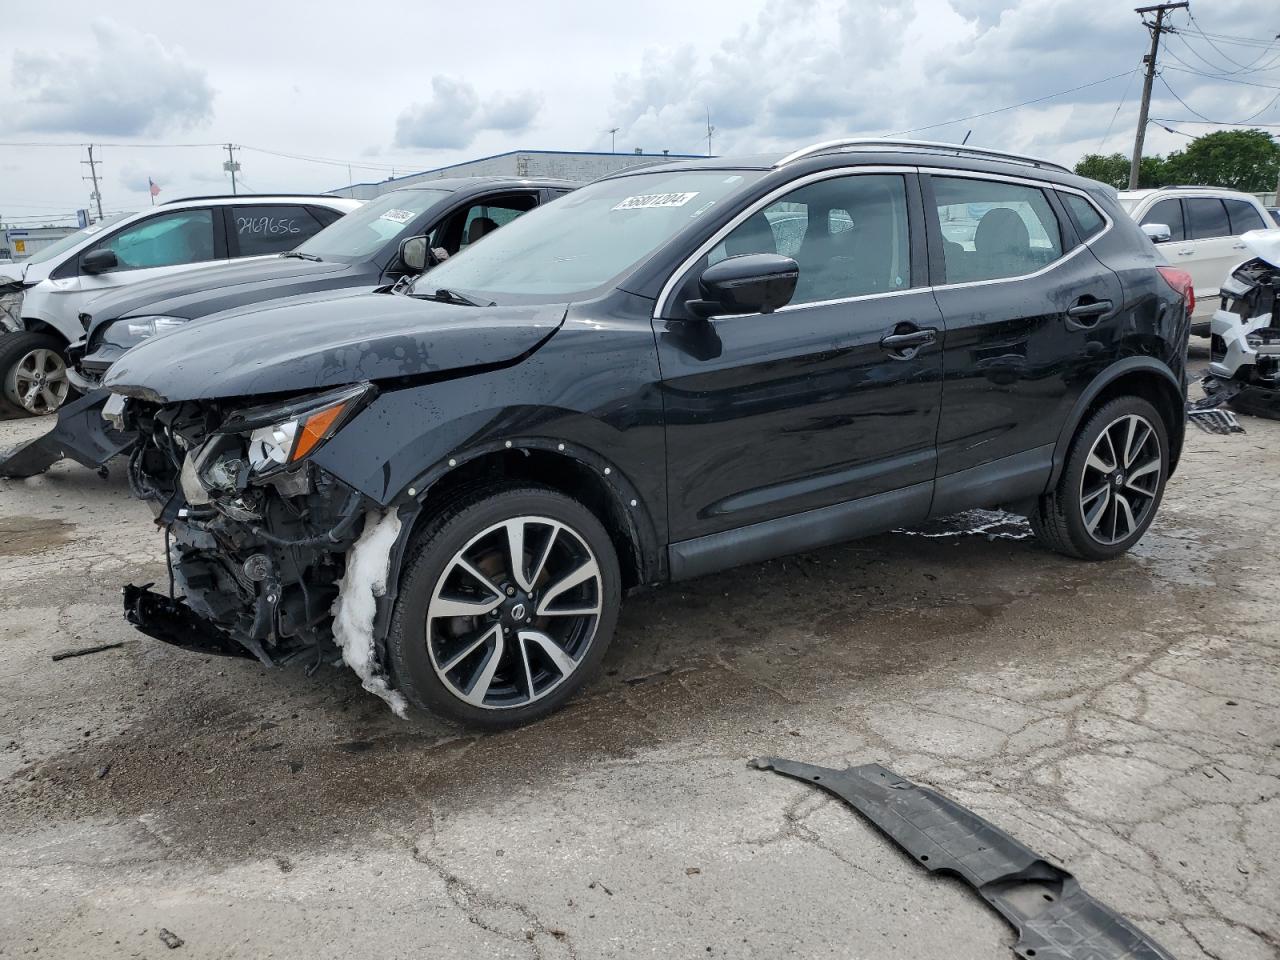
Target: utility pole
x=92 y=164
x=1150 y=60
x=231 y=165
x=613 y=138
x=710 y=131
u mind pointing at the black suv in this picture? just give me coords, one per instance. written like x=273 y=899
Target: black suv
x=671 y=371
x=364 y=249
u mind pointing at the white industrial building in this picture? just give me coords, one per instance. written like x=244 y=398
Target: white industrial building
x=19 y=243
x=565 y=164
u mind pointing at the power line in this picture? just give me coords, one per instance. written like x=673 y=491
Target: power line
x=1254 y=42
x=1219 y=51
x=1225 y=123
x=1012 y=106
x=1215 y=123
x=1201 y=73
x=1123 y=97
x=1223 y=73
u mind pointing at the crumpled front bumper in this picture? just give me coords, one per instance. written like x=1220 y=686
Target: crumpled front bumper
x=173 y=622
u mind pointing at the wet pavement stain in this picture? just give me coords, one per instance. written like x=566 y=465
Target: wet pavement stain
x=28 y=535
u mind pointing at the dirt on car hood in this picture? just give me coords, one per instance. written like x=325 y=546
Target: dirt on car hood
x=300 y=346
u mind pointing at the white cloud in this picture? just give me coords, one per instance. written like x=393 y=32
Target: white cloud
x=455 y=114
x=807 y=70
x=130 y=84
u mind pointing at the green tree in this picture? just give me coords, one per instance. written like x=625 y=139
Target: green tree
x=1113 y=169
x=1246 y=160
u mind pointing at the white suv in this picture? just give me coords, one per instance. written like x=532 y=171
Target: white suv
x=41 y=298
x=1204 y=226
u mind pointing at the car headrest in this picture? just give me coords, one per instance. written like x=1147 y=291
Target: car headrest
x=1001 y=231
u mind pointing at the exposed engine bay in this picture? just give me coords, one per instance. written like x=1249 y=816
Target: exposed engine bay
x=258 y=535
x=1244 y=367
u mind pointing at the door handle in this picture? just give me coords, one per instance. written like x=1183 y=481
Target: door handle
x=1237 y=246
x=1092 y=308
x=1186 y=253
x=904 y=345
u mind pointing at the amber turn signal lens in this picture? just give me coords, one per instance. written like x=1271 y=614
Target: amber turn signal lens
x=315 y=429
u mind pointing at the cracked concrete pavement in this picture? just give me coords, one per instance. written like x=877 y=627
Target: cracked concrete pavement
x=1122 y=719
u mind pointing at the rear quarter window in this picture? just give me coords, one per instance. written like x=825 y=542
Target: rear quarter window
x=1244 y=217
x=261 y=229
x=1089 y=222
x=1206 y=218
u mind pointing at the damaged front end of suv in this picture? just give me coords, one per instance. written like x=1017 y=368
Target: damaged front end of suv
x=1244 y=363
x=260 y=539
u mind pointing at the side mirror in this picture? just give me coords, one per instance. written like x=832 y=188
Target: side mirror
x=751 y=283
x=99 y=261
x=1158 y=232
x=415 y=254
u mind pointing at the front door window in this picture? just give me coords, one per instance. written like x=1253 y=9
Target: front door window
x=165 y=240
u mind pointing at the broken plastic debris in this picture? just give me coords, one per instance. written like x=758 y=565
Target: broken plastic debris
x=992 y=524
x=1215 y=421
x=353 y=612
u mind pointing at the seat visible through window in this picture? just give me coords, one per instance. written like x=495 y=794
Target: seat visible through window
x=992 y=229
x=848 y=235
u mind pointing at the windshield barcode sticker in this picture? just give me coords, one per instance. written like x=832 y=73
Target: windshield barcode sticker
x=397 y=216
x=655 y=200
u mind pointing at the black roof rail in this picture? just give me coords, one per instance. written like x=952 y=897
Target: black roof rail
x=251 y=196
x=925 y=146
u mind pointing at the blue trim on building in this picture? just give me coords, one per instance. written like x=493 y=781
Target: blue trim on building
x=510 y=153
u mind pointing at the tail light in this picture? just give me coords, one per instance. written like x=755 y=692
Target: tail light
x=1180 y=280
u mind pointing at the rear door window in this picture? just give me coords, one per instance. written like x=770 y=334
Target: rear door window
x=1168 y=212
x=1206 y=218
x=1243 y=217
x=992 y=230
x=258 y=230
x=165 y=240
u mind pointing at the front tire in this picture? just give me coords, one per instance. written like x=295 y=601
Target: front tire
x=505 y=608
x=1111 y=484
x=33 y=374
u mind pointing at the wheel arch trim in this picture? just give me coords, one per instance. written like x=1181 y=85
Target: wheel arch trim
x=1127 y=367
x=627 y=505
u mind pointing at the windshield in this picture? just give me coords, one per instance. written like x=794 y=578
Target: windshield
x=71 y=239
x=585 y=239
x=365 y=231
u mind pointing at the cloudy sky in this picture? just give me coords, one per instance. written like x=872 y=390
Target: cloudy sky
x=414 y=86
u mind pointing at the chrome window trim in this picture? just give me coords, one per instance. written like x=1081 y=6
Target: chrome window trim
x=669 y=287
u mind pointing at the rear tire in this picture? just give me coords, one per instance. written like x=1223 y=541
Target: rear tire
x=1111 y=484
x=475 y=637
x=33 y=374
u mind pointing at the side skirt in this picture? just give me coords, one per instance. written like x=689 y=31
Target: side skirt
x=799 y=532
x=1014 y=480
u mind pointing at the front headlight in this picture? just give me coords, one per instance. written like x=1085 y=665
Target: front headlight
x=126 y=333
x=11 y=310
x=282 y=435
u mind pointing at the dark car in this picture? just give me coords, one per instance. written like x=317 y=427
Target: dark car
x=672 y=371
x=361 y=250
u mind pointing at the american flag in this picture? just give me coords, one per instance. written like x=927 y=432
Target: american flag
x=155 y=190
